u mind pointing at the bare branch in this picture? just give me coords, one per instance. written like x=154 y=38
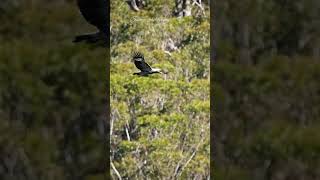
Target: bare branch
x=179 y=169
x=127 y=132
x=116 y=171
x=134 y=5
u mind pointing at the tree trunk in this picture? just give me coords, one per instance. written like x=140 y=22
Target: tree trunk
x=182 y=8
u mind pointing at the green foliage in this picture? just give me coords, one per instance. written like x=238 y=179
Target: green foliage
x=269 y=117
x=52 y=94
x=160 y=120
x=254 y=29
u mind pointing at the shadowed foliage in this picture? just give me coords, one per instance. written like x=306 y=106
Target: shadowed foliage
x=266 y=90
x=52 y=94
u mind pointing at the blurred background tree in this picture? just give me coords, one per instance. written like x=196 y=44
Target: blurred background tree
x=266 y=90
x=52 y=94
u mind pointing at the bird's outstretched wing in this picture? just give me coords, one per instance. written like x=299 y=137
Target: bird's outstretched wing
x=95 y=12
x=140 y=62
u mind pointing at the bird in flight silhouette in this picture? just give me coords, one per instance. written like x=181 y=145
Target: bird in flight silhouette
x=144 y=68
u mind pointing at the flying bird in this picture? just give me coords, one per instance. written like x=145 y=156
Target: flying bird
x=144 y=68
x=96 y=13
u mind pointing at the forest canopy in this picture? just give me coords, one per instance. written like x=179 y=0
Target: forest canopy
x=160 y=123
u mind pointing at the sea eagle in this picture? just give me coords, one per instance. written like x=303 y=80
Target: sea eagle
x=144 y=68
x=94 y=12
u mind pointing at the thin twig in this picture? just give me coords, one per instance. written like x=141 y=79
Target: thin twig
x=116 y=171
x=179 y=169
x=127 y=132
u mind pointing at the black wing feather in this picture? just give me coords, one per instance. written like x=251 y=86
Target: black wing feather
x=140 y=62
x=95 y=12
